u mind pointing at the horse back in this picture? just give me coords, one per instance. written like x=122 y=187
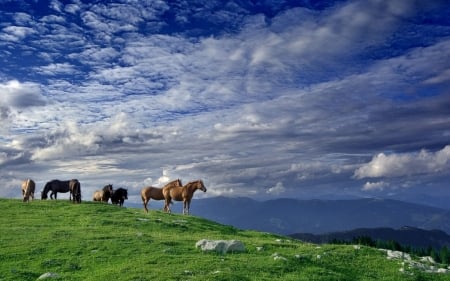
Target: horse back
x=151 y=192
x=28 y=186
x=176 y=193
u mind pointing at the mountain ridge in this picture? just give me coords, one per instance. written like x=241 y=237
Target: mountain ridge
x=406 y=236
x=286 y=215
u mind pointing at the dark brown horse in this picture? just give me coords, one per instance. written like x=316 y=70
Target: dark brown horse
x=75 y=190
x=156 y=193
x=104 y=194
x=56 y=186
x=28 y=187
x=184 y=193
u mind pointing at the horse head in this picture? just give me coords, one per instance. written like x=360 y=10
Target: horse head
x=108 y=188
x=200 y=185
x=45 y=191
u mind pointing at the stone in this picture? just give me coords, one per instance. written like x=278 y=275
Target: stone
x=48 y=275
x=220 y=246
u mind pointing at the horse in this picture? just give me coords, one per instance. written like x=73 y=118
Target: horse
x=104 y=194
x=56 y=186
x=75 y=190
x=118 y=196
x=156 y=193
x=184 y=193
x=28 y=187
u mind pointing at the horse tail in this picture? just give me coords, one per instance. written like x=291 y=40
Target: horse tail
x=77 y=191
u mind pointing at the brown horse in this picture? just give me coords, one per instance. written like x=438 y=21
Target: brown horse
x=184 y=193
x=104 y=194
x=156 y=193
x=28 y=187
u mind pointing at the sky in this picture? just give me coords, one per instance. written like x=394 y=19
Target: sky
x=262 y=99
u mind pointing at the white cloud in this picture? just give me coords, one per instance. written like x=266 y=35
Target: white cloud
x=71 y=141
x=16 y=94
x=277 y=189
x=165 y=178
x=15 y=33
x=371 y=186
x=406 y=164
x=56 y=69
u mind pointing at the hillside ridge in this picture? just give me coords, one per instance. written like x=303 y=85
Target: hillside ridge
x=95 y=241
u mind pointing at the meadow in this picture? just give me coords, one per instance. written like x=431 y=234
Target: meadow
x=96 y=241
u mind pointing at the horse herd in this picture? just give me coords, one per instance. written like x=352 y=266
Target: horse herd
x=174 y=190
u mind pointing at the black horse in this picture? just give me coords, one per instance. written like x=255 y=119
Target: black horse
x=75 y=190
x=118 y=196
x=56 y=186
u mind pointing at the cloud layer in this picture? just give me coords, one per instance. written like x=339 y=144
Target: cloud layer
x=282 y=99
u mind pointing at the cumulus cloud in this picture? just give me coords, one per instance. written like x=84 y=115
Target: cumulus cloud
x=16 y=94
x=406 y=164
x=277 y=189
x=69 y=140
x=371 y=186
x=165 y=178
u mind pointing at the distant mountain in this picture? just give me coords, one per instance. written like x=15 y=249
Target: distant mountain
x=406 y=236
x=287 y=216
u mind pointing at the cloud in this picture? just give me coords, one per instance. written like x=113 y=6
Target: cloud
x=56 y=69
x=67 y=141
x=372 y=186
x=406 y=164
x=15 y=33
x=277 y=189
x=19 y=95
x=263 y=95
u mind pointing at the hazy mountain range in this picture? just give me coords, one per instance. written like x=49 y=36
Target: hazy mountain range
x=288 y=216
x=407 y=236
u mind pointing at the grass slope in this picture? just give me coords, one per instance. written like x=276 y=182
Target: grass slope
x=94 y=241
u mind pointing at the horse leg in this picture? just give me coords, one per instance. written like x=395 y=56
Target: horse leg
x=145 y=201
x=167 y=206
x=145 y=206
x=184 y=207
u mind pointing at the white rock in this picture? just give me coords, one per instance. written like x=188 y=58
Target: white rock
x=427 y=259
x=48 y=275
x=220 y=246
x=280 y=258
x=398 y=255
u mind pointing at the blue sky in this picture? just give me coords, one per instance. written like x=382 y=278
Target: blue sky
x=265 y=99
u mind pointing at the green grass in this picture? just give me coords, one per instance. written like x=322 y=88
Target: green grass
x=94 y=241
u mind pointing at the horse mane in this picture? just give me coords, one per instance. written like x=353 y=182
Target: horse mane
x=192 y=182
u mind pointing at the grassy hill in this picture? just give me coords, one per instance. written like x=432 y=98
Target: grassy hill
x=94 y=241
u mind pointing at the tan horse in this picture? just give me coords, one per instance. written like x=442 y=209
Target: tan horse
x=28 y=187
x=184 y=193
x=155 y=193
x=104 y=194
